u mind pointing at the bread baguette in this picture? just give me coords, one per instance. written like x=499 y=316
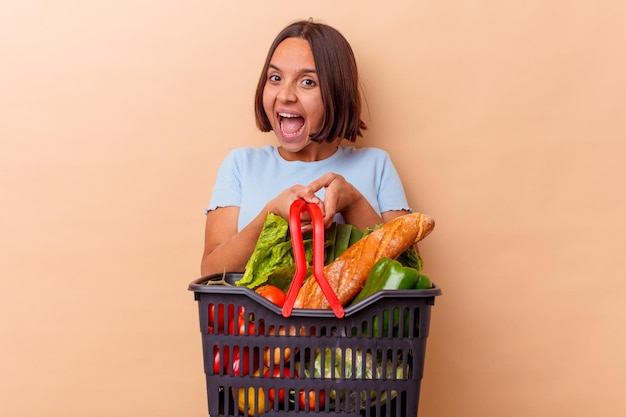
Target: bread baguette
x=347 y=274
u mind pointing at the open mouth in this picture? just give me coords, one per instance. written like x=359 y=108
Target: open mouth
x=291 y=125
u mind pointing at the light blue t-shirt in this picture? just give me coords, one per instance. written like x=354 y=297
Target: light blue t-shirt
x=249 y=177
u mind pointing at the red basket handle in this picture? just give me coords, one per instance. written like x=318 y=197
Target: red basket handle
x=297 y=244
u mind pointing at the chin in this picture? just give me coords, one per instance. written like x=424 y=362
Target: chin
x=293 y=144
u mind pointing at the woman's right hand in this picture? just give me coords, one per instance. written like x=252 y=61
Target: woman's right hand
x=281 y=205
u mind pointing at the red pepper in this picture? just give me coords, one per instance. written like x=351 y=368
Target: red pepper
x=240 y=365
x=220 y=359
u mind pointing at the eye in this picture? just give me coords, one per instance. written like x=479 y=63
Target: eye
x=274 y=78
x=308 y=82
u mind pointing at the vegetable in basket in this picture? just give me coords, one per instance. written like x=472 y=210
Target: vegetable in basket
x=348 y=272
x=272 y=251
x=360 y=365
x=347 y=269
x=388 y=274
x=251 y=400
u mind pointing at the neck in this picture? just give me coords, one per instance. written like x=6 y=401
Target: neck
x=311 y=153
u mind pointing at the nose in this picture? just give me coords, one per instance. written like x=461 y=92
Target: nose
x=286 y=94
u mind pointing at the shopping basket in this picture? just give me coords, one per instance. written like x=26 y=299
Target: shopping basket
x=368 y=363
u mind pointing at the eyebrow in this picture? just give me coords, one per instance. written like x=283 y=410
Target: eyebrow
x=302 y=71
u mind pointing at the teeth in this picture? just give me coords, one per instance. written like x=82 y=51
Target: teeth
x=287 y=115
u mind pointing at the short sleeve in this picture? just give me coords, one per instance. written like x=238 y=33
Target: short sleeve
x=391 y=195
x=227 y=189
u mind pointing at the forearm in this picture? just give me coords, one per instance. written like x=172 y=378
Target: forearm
x=361 y=214
x=232 y=254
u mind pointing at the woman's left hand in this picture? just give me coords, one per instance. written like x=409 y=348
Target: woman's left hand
x=342 y=197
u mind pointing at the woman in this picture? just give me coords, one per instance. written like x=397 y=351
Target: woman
x=308 y=95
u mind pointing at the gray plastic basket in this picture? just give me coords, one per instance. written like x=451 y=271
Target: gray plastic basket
x=368 y=363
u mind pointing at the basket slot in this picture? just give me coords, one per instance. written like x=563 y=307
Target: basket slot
x=394 y=322
x=248 y=396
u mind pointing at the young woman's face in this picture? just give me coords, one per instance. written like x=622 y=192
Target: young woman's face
x=292 y=98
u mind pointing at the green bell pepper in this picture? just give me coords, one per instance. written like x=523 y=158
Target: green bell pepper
x=390 y=274
x=423 y=282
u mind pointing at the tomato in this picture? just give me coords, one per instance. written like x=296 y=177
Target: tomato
x=273 y=294
x=241 y=324
x=216 y=321
x=310 y=398
x=275 y=373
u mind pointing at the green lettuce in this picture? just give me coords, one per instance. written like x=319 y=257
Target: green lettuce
x=272 y=251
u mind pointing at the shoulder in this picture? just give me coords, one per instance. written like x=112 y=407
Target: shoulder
x=251 y=152
x=248 y=154
x=363 y=153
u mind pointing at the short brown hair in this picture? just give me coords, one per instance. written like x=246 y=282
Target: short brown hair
x=338 y=77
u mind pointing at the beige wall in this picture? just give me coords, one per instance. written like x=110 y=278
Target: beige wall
x=505 y=120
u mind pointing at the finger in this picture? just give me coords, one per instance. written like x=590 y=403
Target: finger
x=322 y=182
x=330 y=208
x=312 y=198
